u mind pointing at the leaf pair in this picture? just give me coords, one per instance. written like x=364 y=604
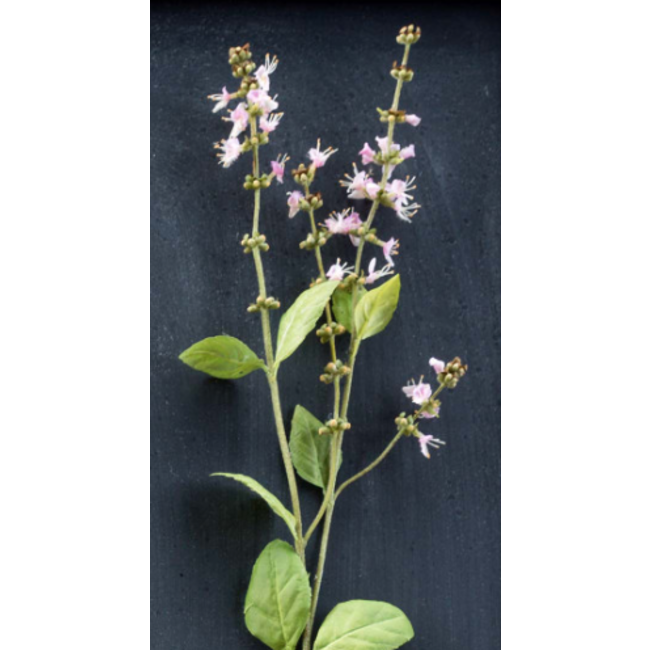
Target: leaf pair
x=374 y=308
x=278 y=602
x=226 y=357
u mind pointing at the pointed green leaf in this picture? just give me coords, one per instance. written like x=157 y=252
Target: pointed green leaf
x=364 y=625
x=278 y=597
x=310 y=452
x=375 y=310
x=342 y=305
x=301 y=317
x=274 y=503
x=224 y=357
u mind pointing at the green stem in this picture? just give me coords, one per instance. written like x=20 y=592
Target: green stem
x=370 y=467
x=354 y=347
x=270 y=362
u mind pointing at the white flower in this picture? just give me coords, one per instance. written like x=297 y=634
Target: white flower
x=318 y=157
x=270 y=123
x=373 y=275
x=262 y=73
x=356 y=185
x=338 y=271
x=231 y=149
x=222 y=99
x=239 y=119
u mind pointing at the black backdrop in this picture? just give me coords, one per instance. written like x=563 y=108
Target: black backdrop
x=423 y=535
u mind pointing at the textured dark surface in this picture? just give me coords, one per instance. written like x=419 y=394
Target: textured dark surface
x=423 y=535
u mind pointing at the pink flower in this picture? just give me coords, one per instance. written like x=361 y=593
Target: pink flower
x=277 y=167
x=270 y=123
x=390 y=249
x=373 y=275
x=437 y=365
x=356 y=185
x=398 y=191
x=419 y=393
x=413 y=120
x=318 y=157
x=426 y=442
x=342 y=222
x=260 y=97
x=338 y=271
x=382 y=143
x=407 y=152
x=262 y=73
x=372 y=189
x=231 y=149
x=239 y=119
x=222 y=99
x=294 y=203
x=407 y=212
x=367 y=154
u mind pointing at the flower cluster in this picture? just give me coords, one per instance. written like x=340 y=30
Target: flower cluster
x=423 y=396
x=255 y=102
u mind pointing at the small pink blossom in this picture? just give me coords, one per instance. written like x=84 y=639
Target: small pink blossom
x=239 y=119
x=294 y=203
x=342 y=222
x=231 y=149
x=382 y=143
x=437 y=365
x=338 y=271
x=398 y=191
x=356 y=185
x=372 y=189
x=389 y=249
x=262 y=73
x=277 y=167
x=318 y=157
x=418 y=393
x=259 y=97
x=270 y=123
x=367 y=154
x=428 y=441
x=222 y=99
x=407 y=152
x=373 y=275
x=413 y=120
x=435 y=414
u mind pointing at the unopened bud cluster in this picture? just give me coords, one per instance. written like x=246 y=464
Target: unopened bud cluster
x=315 y=241
x=303 y=175
x=402 y=72
x=452 y=373
x=335 y=425
x=311 y=202
x=253 y=183
x=258 y=139
x=327 y=332
x=334 y=370
x=249 y=243
x=406 y=424
x=408 y=35
x=367 y=234
x=240 y=60
x=264 y=303
x=391 y=115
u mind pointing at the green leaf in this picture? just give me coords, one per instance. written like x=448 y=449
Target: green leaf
x=301 y=317
x=274 y=503
x=376 y=308
x=278 y=597
x=364 y=625
x=224 y=357
x=310 y=452
x=342 y=305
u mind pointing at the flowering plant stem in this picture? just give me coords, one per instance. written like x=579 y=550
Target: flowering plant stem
x=280 y=604
x=337 y=441
x=272 y=370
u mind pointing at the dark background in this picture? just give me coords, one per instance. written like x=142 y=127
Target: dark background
x=423 y=535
